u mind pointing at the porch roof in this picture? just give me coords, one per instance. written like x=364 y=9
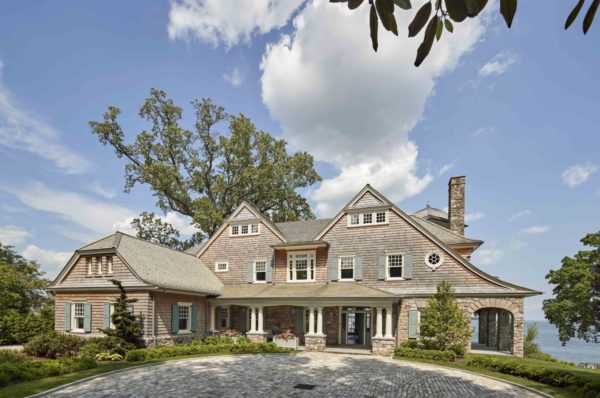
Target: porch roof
x=336 y=290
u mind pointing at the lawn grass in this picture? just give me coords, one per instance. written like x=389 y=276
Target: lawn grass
x=27 y=388
x=554 y=391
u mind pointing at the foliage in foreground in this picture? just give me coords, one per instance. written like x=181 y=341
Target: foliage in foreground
x=126 y=325
x=575 y=310
x=61 y=345
x=585 y=383
x=434 y=355
x=201 y=349
x=18 y=328
x=16 y=367
x=444 y=326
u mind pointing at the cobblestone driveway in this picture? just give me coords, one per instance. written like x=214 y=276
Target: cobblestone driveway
x=334 y=375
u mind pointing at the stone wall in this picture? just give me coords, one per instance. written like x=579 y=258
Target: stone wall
x=383 y=347
x=314 y=342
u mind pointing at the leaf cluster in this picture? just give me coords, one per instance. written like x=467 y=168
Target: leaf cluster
x=151 y=228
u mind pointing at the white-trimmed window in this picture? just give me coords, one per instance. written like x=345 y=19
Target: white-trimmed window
x=346 y=266
x=260 y=271
x=244 y=229
x=185 y=315
x=109 y=261
x=78 y=317
x=370 y=218
x=223 y=318
x=434 y=259
x=393 y=266
x=301 y=266
x=221 y=266
x=99 y=264
x=88 y=261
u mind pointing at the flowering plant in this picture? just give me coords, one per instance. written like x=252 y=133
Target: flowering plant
x=230 y=333
x=287 y=335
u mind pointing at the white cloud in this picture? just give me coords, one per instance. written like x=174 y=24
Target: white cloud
x=534 y=230
x=483 y=131
x=499 y=64
x=445 y=168
x=488 y=256
x=19 y=129
x=51 y=262
x=519 y=214
x=97 y=188
x=93 y=216
x=179 y=222
x=235 y=77
x=474 y=216
x=352 y=107
x=578 y=174
x=227 y=22
x=13 y=235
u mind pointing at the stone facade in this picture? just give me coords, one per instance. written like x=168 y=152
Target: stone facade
x=314 y=342
x=383 y=347
x=456 y=204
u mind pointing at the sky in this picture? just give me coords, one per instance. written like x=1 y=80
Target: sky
x=514 y=110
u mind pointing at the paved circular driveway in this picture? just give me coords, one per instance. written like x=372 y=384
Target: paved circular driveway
x=332 y=375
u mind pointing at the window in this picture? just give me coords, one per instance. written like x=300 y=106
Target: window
x=347 y=268
x=89 y=265
x=260 y=271
x=370 y=218
x=394 y=266
x=99 y=264
x=223 y=318
x=222 y=266
x=109 y=260
x=434 y=260
x=78 y=317
x=301 y=266
x=184 y=317
x=244 y=229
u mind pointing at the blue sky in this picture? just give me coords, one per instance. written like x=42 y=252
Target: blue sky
x=513 y=110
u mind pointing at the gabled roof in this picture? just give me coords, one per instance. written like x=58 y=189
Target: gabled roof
x=302 y=231
x=445 y=235
x=194 y=250
x=154 y=264
x=432 y=212
x=492 y=279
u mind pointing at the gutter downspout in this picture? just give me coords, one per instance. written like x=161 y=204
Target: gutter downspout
x=153 y=320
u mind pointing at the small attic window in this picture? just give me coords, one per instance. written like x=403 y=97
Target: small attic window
x=244 y=230
x=434 y=259
x=368 y=218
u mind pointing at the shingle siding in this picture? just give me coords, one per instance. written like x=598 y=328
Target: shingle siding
x=78 y=275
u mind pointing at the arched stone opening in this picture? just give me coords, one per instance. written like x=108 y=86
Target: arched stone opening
x=495 y=329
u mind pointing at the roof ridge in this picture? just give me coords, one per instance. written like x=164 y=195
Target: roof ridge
x=98 y=240
x=153 y=243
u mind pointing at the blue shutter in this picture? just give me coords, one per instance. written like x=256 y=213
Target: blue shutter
x=358 y=268
x=407 y=265
x=299 y=321
x=174 y=318
x=87 y=318
x=381 y=267
x=413 y=320
x=106 y=316
x=334 y=269
x=270 y=265
x=250 y=271
x=67 y=317
x=194 y=315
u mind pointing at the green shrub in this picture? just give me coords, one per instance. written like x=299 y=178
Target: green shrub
x=213 y=340
x=435 y=355
x=110 y=344
x=243 y=340
x=410 y=344
x=17 y=328
x=90 y=349
x=16 y=367
x=107 y=356
x=54 y=345
x=586 y=384
x=195 y=349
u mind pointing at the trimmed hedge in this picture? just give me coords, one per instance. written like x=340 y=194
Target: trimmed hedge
x=585 y=383
x=16 y=367
x=435 y=355
x=54 y=345
x=197 y=349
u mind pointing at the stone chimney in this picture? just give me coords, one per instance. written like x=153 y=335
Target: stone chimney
x=456 y=204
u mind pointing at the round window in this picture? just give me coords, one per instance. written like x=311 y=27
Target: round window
x=434 y=259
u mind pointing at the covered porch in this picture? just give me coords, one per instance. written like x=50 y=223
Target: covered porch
x=321 y=316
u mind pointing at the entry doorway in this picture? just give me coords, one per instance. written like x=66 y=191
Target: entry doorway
x=356 y=326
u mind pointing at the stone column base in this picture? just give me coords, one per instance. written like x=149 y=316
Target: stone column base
x=257 y=337
x=314 y=342
x=383 y=346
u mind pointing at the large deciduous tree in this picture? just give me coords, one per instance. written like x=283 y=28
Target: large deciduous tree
x=152 y=228
x=203 y=174
x=575 y=310
x=439 y=15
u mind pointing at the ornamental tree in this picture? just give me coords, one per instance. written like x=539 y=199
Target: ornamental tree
x=126 y=325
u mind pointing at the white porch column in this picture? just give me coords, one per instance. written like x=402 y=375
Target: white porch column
x=311 y=320
x=252 y=320
x=388 y=322
x=379 y=323
x=211 y=319
x=320 y=320
x=259 y=327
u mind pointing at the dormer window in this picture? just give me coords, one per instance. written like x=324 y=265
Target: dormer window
x=89 y=265
x=368 y=218
x=99 y=264
x=244 y=229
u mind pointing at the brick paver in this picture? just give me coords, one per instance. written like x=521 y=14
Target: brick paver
x=334 y=375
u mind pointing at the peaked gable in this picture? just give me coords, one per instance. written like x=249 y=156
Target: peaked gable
x=366 y=200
